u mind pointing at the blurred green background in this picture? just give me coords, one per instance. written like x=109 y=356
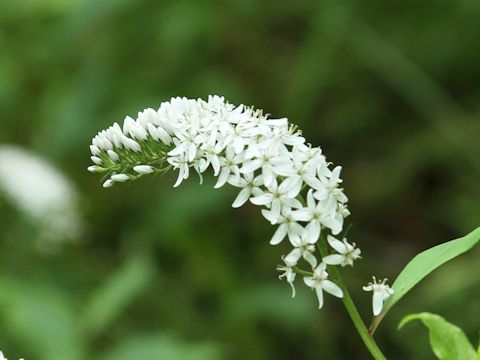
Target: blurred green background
x=389 y=90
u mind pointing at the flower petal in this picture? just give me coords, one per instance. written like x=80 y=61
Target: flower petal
x=310 y=281
x=377 y=303
x=337 y=244
x=312 y=232
x=311 y=259
x=332 y=288
x=279 y=235
x=241 y=198
x=222 y=178
x=264 y=199
x=293 y=256
x=334 y=259
x=319 y=291
x=302 y=214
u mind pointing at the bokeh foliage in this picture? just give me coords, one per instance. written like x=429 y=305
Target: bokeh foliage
x=390 y=90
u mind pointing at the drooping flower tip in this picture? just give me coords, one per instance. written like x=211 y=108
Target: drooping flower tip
x=288 y=273
x=381 y=292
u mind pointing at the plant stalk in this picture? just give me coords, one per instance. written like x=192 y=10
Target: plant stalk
x=351 y=308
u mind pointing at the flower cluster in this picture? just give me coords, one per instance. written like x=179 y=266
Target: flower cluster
x=267 y=159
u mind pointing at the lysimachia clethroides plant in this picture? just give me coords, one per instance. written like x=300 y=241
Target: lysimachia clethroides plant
x=271 y=164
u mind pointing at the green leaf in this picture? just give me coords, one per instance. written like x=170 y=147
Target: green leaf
x=42 y=318
x=478 y=351
x=448 y=341
x=427 y=261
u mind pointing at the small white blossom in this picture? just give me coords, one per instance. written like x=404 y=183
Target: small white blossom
x=381 y=292
x=113 y=155
x=120 y=177
x=94 y=169
x=288 y=226
x=249 y=183
x=288 y=273
x=143 y=169
x=304 y=246
x=277 y=197
x=229 y=165
x=347 y=253
x=108 y=183
x=182 y=164
x=319 y=282
x=318 y=213
x=96 y=160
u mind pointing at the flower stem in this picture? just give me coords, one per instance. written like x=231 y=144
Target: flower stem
x=351 y=308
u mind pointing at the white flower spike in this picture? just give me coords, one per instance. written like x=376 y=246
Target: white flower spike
x=268 y=159
x=381 y=292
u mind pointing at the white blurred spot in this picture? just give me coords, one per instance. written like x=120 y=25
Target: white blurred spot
x=41 y=192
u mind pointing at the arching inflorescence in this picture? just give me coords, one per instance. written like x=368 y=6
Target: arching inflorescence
x=268 y=159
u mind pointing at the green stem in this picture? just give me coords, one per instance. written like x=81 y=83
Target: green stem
x=357 y=320
x=351 y=308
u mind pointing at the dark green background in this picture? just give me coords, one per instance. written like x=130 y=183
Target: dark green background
x=389 y=90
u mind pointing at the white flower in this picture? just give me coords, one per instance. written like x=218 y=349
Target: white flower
x=267 y=160
x=381 y=292
x=120 y=177
x=303 y=167
x=229 y=165
x=180 y=162
x=277 y=197
x=288 y=225
x=113 y=155
x=108 y=183
x=288 y=274
x=143 y=169
x=304 y=246
x=316 y=213
x=332 y=184
x=347 y=253
x=319 y=281
x=250 y=185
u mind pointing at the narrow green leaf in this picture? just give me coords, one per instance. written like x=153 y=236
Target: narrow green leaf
x=448 y=341
x=478 y=351
x=43 y=319
x=427 y=261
